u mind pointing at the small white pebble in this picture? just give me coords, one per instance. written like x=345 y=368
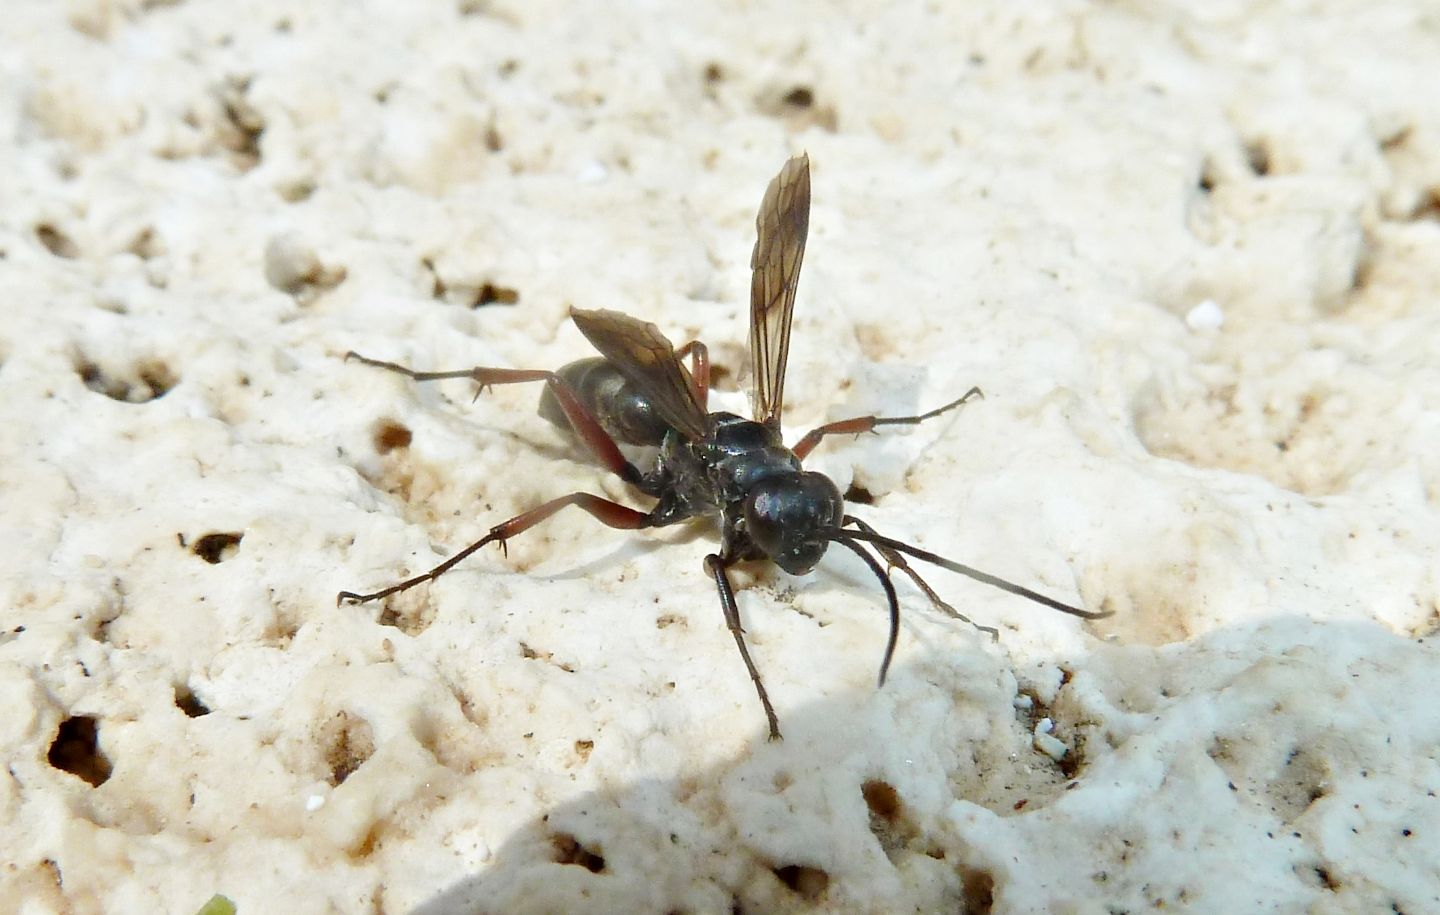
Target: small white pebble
x=290 y=263
x=1022 y=702
x=1044 y=726
x=1051 y=746
x=592 y=172
x=1205 y=316
x=314 y=802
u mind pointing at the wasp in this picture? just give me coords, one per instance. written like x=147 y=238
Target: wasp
x=715 y=465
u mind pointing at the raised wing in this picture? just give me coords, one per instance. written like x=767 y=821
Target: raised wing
x=648 y=361
x=780 y=230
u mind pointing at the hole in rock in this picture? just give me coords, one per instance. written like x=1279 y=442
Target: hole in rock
x=390 y=435
x=1074 y=759
x=146 y=244
x=56 y=242
x=977 y=888
x=1207 y=180
x=568 y=850
x=882 y=799
x=1296 y=432
x=146 y=381
x=1257 y=156
x=76 y=749
x=800 y=97
x=348 y=741
x=242 y=124
x=494 y=140
x=887 y=821
x=799 y=107
x=1429 y=206
x=491 y=294
x=809 y=882
x=296 y=190
x=1325 y=879
x=187 y=702
x=218 y=547
x=410 y=623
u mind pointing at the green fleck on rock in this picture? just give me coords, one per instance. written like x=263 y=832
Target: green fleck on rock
x=217 y=905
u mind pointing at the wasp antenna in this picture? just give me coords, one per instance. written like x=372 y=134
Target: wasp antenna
x=894 y=601
x=993 y=581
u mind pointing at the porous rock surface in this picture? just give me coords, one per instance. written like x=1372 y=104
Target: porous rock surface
x=1190 y=252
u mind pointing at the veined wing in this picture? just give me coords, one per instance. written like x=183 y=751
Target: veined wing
x=648 y=361
x=781 y=227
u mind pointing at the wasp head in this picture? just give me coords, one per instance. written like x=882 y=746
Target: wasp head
x=790 y=517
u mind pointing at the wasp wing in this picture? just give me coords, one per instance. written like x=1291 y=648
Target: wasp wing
x=648 y=361
x=781 y=227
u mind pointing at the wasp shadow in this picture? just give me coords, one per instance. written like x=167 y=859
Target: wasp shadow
x=936 y=792
x=823 y=820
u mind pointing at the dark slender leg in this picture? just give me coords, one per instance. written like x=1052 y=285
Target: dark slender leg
x=586 y=427
x=890 y=598
x=699 y=369
x=611 y=514
x=860 y=424
x=898 y=562
x=993 y=581
x=716 y=566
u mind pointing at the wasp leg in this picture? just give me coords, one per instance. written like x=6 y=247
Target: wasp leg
x=861 y=424
x=699 y=369
x=611 y=514
x=894 y=602
x=585 y=425
x=897 y=561
x=716 y=566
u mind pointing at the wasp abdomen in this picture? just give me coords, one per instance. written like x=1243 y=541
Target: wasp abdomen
x=626 y=414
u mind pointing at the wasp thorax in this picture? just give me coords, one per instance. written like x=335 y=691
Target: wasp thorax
x=790 y=516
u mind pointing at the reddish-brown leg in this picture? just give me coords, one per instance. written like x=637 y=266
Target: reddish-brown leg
x=611 y=514
x=716 y=566
x=897 y=561
x=586 y=427
x=861 y=424
x=699 y=369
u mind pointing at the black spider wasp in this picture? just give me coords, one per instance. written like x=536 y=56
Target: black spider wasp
x=639 y=392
